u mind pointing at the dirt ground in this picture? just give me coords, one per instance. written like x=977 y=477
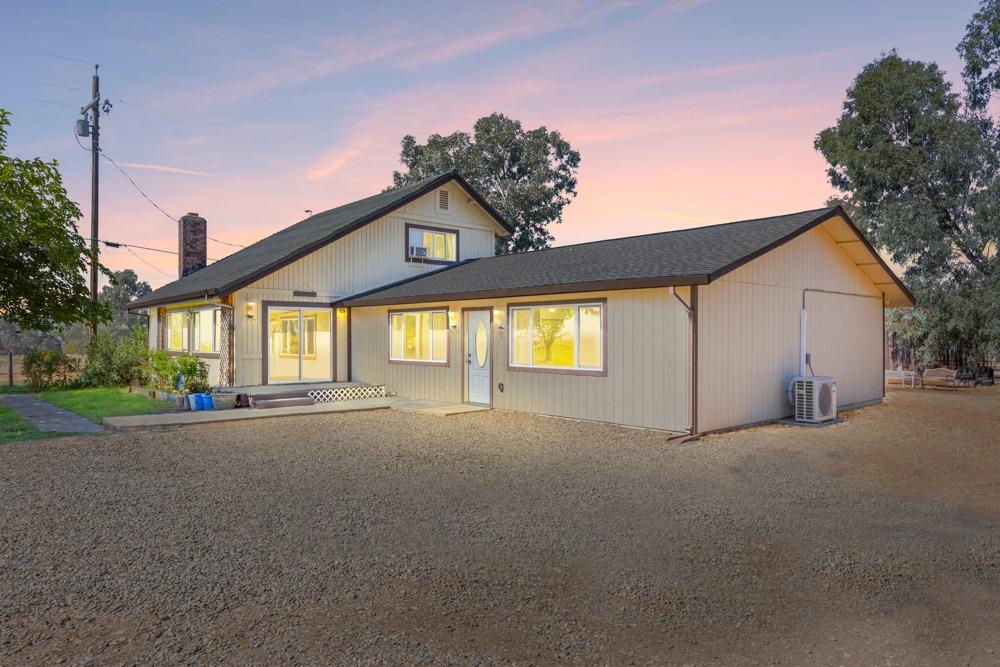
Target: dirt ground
x=386 y=537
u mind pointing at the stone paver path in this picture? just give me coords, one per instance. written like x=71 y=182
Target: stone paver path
x=47 y=417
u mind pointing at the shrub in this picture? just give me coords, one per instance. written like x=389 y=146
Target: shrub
x=163 y=369
x=46 y=368
x=195 y=372
x=116 y=362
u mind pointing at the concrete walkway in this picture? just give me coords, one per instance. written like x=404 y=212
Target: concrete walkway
x=47 y=417
x=439 y=408
x=239 y=414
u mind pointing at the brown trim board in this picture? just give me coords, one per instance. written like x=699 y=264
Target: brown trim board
x=541 y=290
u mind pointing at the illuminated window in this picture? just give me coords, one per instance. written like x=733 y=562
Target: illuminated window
x=431 y=245
x=197 y=330
x=419 y=336
x=177 y=331
x=558 y=336
x=205 y=328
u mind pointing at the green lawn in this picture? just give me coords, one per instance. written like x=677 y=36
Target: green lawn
x=14 y=427
x=97 y=403
x=14 y=389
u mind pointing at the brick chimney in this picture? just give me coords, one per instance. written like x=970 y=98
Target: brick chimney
x=192 y=244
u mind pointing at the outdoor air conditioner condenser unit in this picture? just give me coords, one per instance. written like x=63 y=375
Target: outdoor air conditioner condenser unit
x=418 y=251
x=814 y=398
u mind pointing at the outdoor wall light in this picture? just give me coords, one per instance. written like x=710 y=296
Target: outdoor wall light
x=452 y=319
x=251 y=310
x=342 y=311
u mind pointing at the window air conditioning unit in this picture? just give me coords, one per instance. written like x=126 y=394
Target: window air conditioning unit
x=814 y=398
x=418 y=251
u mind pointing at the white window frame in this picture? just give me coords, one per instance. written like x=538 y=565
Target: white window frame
x=430 y=312
x=216 y=314
x=576 y=368
x=188 y=344
x=186 y=328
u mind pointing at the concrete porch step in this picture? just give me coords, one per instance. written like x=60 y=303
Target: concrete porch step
x=279 y=395
x=283 y=402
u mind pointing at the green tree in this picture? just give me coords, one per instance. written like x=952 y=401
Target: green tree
x=123 y=288
x=917 y=170
x=529 y=176
x=980 y=49
x=42 y=282
x=920 y=171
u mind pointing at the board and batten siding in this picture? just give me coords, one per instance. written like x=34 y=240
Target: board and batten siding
x=748 y=332
x=369 y=257
x=647 y=382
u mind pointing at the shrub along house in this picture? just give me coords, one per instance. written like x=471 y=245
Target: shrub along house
x=687 y=331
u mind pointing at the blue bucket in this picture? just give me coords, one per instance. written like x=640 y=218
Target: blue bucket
x=199 y=401
x=207 y=403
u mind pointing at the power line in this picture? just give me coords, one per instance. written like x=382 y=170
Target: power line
x=235 y=245
x=40 y=83
x=122 y=244
x=39 y=99
x=148 y=263
x=147 y=197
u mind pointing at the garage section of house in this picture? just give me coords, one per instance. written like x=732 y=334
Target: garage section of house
x=694 y=330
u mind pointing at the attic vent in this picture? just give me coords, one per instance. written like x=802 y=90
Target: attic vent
x=443 y=200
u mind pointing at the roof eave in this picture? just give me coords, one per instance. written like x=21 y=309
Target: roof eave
x=836 y=211
x=534 y=290
x=186 y=296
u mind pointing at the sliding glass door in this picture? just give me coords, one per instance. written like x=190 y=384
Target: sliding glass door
x=300 y=344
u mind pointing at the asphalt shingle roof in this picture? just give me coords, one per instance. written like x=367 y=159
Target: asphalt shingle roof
x=275 y=251
x=687 y=256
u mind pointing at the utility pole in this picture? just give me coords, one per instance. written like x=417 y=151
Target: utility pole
x=95 y=163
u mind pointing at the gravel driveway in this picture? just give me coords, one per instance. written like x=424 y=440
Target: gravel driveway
x=499 y=537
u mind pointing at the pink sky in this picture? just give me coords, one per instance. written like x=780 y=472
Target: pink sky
x=686 y=112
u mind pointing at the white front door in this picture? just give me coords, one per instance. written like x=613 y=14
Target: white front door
x=479 y=356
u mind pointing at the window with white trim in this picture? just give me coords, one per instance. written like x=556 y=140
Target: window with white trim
x=436 y=245
x=205 y=330
x=557 y=336
x=198 y=330
x=419 y=336
x=177 y=331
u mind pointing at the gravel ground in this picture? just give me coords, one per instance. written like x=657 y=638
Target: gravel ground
x=497 y=537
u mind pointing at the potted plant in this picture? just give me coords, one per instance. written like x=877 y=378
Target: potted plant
x=195 y=374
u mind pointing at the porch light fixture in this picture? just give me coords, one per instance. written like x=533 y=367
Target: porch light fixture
x=251 y=310
x=498 y=316
x=341 y=311
x=452 y=319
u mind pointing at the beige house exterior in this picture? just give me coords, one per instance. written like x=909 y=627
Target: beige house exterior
x=688 y=332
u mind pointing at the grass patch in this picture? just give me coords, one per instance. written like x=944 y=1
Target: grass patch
x=14 y=427
x=97 y=403
x=14 y=389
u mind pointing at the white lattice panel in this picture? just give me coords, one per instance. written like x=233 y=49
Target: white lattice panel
x=347 y=393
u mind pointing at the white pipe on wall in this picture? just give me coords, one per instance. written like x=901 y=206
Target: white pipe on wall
x=803 y=330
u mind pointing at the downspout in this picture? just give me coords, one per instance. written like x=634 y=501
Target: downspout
x=693 y=346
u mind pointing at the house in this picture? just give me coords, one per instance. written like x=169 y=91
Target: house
x=688 y=331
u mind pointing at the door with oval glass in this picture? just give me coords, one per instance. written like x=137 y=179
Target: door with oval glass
x=479 y=356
